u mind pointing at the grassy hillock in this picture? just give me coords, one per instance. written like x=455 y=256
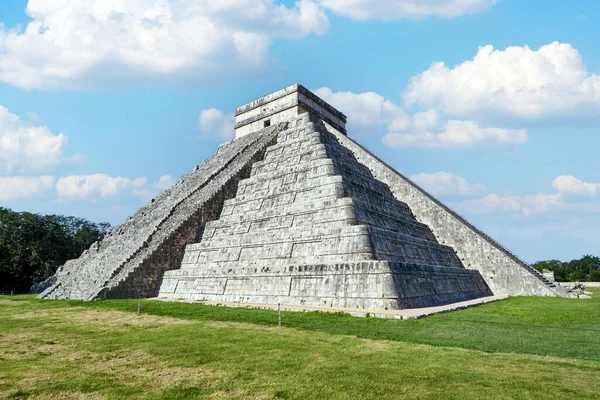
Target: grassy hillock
x=517 y=348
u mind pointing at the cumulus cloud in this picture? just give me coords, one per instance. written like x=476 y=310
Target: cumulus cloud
x=370 y=112
x=215 y=123
x=83 y=43
x=18 y=187
x=164 y=182
x=148 y=192
x=365 y=111
x=25 y=147
x=445 y=183
x=458 y=134
x=551 y=81
x=105 y=186
x=570 y=184
x=420 y=122
x=85 y=186
x=89 y=43
x=397 y=9
x=524 y=205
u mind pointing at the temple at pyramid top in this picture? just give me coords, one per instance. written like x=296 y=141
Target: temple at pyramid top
x=294 y=211
x=284 y=105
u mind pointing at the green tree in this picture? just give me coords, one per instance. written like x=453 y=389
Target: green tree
x=594 y=276
x=33 y=246
x=555 y=266
x=585 y=269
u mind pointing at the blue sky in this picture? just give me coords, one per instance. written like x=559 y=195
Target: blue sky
x=104 y=103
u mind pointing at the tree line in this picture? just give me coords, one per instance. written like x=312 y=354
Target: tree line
x=33 y=246
x=585 y=269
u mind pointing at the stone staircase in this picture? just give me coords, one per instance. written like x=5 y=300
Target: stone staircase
x=107 y=265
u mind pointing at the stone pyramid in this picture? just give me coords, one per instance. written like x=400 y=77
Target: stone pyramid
x=293 y=211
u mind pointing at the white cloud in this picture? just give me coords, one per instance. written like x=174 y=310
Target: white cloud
x=525 y=205
x=366 y=111
x=458 y=134
x=440 y=183
x=86 y=43
x=17 y=187
x=148 y=192
x=549 y=82
x=570 y=184
x=397 y=9
x=104 y=186
x=421 y=121
x=164 y=182
x=85 y=186
x=25 y=147
x=217 y=124
x=370 y=112
x=33 y=116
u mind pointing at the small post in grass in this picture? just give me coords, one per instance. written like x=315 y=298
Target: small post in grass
x=69 y=301
x=11 y=295
x=279 y=314
x=139 y=304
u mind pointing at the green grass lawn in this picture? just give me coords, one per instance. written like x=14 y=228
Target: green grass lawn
x=529 y=348
x=545 y=326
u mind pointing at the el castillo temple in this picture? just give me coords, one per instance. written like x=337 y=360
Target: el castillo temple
x=294 y=211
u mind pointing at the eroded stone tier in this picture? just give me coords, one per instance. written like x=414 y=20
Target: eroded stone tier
x=295 y=211
x=311 y=215
x=129 y=261
x=504 y=272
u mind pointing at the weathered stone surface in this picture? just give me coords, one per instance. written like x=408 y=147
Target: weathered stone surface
x=296 y=212
x=503 y=271
x=311 y=225
x=362 y=284
x=130 y=260
x=285 y=105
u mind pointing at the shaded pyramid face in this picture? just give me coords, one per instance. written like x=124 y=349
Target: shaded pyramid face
x=311 y=225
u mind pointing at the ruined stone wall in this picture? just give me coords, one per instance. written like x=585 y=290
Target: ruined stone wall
x=109 y=262
x=395 y=233
x=375 y=285
x=503 y=272
x=289 y=210
x=284 y=105
x=142 y=277
x=307 y=227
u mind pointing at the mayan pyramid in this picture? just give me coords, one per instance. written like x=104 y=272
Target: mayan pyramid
x=294 y=211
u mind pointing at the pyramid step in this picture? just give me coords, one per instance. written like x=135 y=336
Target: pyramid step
x=302 y=142
x=318 y=167
x=278 y=188
x=382 y=205
x=327 y=191
x=297 y=208
x=339 y=216
x=313 y=152
x=271 y=237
